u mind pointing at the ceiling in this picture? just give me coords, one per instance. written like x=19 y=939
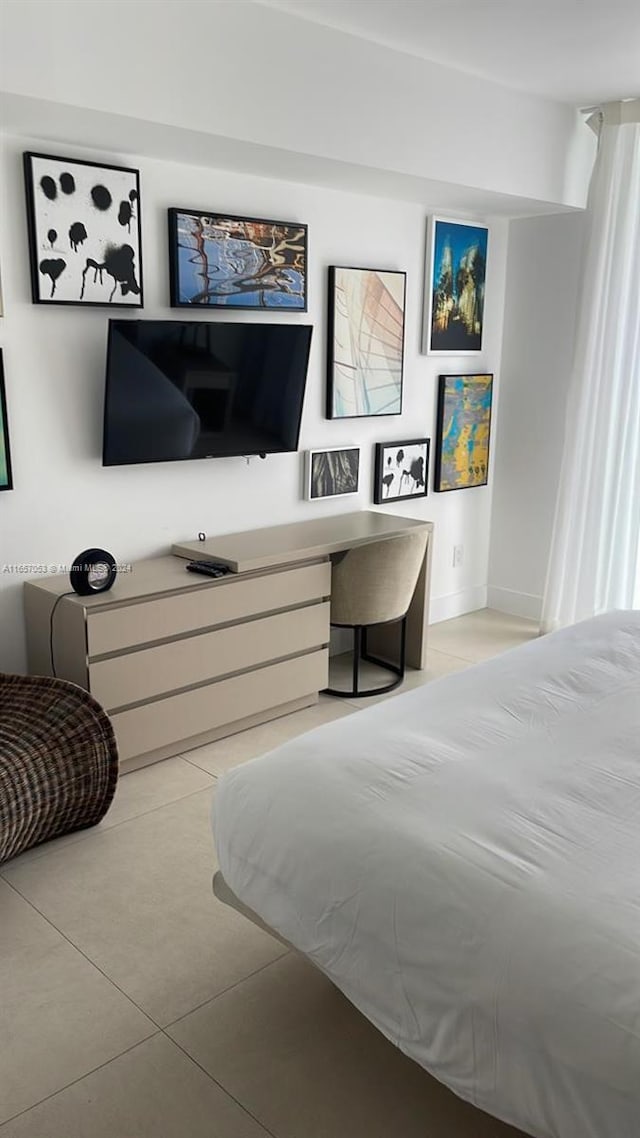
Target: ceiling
x=577 y=51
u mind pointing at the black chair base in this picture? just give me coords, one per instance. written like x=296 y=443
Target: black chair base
x=360 y=653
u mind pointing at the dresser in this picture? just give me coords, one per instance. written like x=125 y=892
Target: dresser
x=179 y=660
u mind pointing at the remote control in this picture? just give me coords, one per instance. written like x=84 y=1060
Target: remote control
x=208 y=568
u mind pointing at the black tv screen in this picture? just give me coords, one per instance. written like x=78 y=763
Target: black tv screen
x=177 y=390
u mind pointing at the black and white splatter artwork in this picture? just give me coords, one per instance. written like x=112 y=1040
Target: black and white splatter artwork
x=401 y=470
x=333 y=472
x=84 y=232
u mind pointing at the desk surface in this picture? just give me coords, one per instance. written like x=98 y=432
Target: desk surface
x=260 y=548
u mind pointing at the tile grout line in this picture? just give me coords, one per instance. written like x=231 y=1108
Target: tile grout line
x=89 y=961
x=81 y=1077
x=158 y=1027
x=94 y=831
x=268 y=723
x=197 y=767
x=164 y=1031
x=224 y=991
x=451 y=655
x=219 y=1085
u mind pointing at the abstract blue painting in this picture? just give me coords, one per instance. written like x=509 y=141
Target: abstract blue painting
x=236 y=262
x=455 y=287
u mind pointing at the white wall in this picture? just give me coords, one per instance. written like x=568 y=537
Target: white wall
x=543 y=272
x=244 y=71
x=65 y=501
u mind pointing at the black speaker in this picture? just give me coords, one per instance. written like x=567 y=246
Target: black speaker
x=93 y=571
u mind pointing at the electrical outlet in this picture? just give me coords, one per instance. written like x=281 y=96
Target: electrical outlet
x=458 y=556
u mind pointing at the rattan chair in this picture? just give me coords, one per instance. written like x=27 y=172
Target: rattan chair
x=58 y=761
x=371 y=585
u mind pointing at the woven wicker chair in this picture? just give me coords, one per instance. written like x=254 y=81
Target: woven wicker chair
x=58 y=761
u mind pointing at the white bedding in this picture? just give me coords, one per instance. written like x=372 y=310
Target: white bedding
x=464 y=862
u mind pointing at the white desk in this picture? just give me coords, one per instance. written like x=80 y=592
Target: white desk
x=257 y=549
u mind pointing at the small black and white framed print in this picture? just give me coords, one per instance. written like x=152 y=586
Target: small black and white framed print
x=333 y=473
x=85 y=240
x=401 y=471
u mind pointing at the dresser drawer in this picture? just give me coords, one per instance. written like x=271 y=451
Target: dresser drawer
x=178 y=717
x=152 y=672
x=226 y=600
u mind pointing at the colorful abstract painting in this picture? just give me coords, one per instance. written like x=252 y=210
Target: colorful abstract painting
x=455 y=287
x=5 y=456
x=84 y=232
x=366 y=342
x=464 y=425
x=236 y=262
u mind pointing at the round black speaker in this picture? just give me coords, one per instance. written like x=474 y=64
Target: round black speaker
x=93 y=571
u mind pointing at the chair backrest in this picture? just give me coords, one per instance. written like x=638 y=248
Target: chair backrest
x=374 y=583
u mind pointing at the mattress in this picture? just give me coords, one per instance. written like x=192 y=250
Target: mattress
x=463 y=861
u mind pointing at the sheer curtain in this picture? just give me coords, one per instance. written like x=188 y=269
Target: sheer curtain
x=595 y=549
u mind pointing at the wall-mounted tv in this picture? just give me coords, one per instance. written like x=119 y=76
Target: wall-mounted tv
x=177 y=390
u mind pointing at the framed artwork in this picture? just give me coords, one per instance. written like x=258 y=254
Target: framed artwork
x=333 y=473
x=6 y=482
x=401 y=471
x=463 y=426
x=221 y=261
x=85 y=240
x=366 y=342
x=454 y=287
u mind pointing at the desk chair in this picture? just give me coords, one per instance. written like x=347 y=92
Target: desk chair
x=370 y=585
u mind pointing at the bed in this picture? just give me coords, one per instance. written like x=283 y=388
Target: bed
x=463 y=861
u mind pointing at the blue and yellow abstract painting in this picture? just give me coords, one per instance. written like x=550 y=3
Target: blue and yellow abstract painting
x=464 y=425
x=236 y=262
x=5 y=460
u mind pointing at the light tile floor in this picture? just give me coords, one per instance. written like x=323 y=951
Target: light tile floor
x=134 y=1005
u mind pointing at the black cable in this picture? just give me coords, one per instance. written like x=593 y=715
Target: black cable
x=71 y=593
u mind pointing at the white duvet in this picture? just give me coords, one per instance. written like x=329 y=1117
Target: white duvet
x=464 y=862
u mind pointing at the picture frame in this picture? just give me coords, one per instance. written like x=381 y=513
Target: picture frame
x=6 y=477
x=222 y=260
x=366 y=333
x=454 y=289
x=463 y=431
x=332 y=473
x=401 y=466
x=85 y=233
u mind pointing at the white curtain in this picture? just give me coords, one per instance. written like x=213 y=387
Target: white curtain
x=594 y=561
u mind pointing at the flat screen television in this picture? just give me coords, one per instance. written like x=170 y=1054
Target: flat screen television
x=177 y=390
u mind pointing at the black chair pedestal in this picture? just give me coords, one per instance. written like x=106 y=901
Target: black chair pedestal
x=360 y=654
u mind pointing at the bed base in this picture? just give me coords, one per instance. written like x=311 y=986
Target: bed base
x=228 y=897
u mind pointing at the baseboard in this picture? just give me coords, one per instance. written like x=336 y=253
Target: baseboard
x=457 y=604
x=527 y=605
